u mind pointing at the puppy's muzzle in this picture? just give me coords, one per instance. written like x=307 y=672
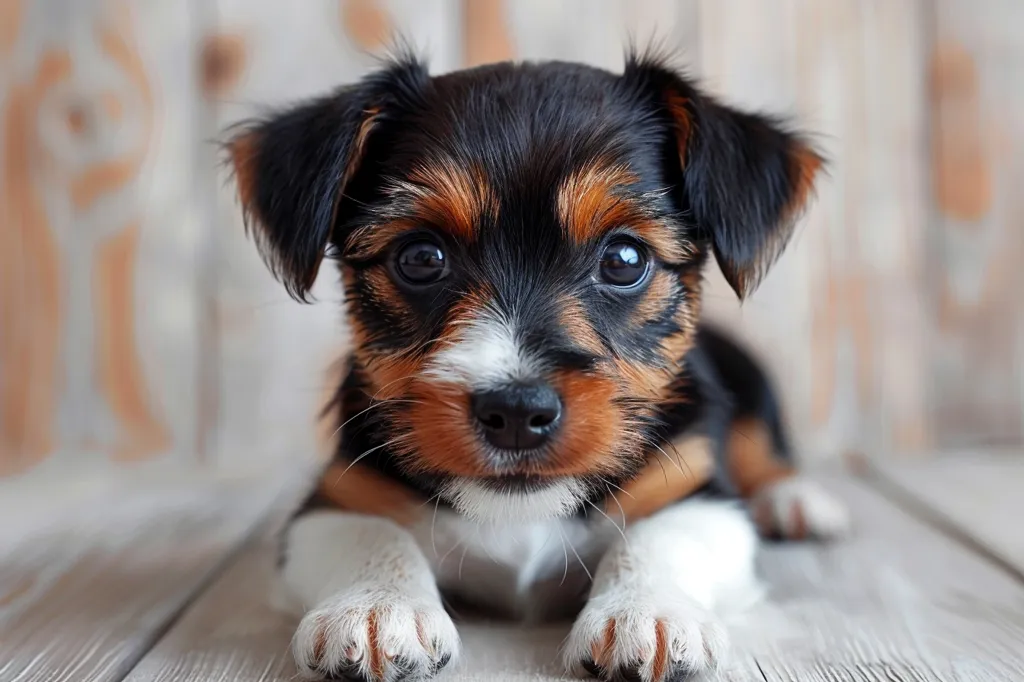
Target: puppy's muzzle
x=518 y=418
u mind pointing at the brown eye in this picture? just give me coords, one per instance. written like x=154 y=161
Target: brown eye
x=421 y=262
x=623 y=264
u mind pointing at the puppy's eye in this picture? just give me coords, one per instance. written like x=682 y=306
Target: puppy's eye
x=623 y=264
x=421 y=262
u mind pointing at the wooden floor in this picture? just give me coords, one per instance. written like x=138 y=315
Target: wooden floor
x=171 y=582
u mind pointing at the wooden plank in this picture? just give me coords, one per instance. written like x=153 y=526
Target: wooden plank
x=274 y=352
x=97 y=290
x=975 y=494
x=840 y=318
x=89 y=580
x=898 y=601
x=977 y=243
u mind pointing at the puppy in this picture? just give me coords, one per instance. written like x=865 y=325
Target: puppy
x=533 y=418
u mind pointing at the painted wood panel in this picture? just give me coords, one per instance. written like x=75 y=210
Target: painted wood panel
x=137 y=322
x=841 y=319
x=97 y=351
x=977 y=244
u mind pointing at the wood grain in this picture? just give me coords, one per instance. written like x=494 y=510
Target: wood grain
x=977 y=244
x=898 y=601
x=87 y=584
x=977 y=494
x=95 y=354
x=840 y=318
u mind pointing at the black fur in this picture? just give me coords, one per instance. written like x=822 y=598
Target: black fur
x=724 y=180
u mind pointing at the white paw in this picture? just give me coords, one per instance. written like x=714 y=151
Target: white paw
x=624 y=636
x=375 y=635
x=797 y=508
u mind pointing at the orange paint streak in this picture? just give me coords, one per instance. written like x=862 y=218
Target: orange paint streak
x=102 y=179
x=112 y=106
x=486 y=37
x=10 y=24
x=366 y=22
x=453 y=197
x=221 y=64
x=30 y=281
x=962 y=169
x=121 y=376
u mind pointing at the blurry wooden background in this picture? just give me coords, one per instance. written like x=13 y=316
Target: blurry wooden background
x=138 y=325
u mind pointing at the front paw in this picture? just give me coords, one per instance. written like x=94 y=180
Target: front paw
x=377 y=635
x=636 y=639
x=797 y=509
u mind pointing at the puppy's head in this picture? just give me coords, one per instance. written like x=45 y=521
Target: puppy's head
x=521 y=248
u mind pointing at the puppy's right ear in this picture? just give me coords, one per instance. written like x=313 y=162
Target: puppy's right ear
x=292 y=168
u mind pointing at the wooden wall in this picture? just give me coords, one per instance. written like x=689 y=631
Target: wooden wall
x=138 y=324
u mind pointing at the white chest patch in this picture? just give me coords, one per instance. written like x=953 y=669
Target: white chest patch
x=532 y=569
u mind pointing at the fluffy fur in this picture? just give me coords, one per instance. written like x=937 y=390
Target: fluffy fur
x=535 y=232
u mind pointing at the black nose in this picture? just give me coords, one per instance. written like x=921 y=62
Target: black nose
x=518 y=417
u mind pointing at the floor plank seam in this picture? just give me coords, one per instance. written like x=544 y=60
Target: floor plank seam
x=932 y=517
x=263 y=522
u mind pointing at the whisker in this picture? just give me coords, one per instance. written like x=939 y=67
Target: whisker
x=577 y=555
x=622 y=530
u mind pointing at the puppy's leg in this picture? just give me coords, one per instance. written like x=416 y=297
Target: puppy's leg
x=785 y=504
x=373 y=608
x=650 y=615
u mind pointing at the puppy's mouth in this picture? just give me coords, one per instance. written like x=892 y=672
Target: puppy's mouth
x=516 y=483
x=515 y=497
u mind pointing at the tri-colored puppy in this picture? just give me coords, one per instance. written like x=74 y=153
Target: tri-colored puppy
x=531 y=394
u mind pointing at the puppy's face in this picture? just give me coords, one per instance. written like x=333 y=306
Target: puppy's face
x=521 y=249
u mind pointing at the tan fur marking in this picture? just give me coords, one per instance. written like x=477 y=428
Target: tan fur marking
x=751 y=459
x=588 y=203
x=660 y=650
x=689 y=465
x=362 y=490
x=677 y=109
x=453 y=197
x=576 y=323
x=243 y=151
x=804 y=167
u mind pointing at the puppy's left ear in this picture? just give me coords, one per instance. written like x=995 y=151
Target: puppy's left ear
x=744 y=177
x=293 y=168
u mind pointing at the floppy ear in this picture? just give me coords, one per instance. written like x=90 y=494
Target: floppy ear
x=292 y=168
x=745 y=178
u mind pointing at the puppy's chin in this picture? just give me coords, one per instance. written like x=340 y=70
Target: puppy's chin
x=514 y=499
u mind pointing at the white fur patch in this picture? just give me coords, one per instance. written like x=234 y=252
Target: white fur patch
x=485 y=354
x=481 y=503
x=796 y=507
x=662 y=591
x=375 y=608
